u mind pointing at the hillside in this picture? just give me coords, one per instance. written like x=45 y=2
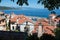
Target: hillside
x=6 y=8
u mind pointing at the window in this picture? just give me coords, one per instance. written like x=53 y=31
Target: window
x=13 y=27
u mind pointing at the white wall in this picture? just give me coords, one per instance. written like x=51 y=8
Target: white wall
x=40 y=31
x=31 y=25
x=2 y=27
x=22 y=28
x=11 y=26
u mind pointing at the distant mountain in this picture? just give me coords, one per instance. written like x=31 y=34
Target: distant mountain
x=18 y=8
x=6 y=8
x=27 y=8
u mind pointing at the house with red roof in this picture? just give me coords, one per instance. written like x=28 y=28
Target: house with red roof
x=42 y=26
x=12 y=21
x=2 y=22
x=19 y=22
x=7 y=20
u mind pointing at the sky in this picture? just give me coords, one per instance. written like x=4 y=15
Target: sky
x=32 y=4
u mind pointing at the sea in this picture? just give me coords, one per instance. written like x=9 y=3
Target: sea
x=32 y=12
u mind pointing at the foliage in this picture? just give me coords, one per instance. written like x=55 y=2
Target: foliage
x=47 y=37
x=32 y=37
x=21 y=2
x=57 y=33
x=0 y=0
x=16 y=31
x=43 y=37
x=7 y=28
x=12 y=0
x=50 y=4
x=57 y=30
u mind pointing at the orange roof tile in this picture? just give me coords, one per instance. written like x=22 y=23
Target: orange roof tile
x=13 y=19
x=49 y=29
x=1 y=18
x=44 y=23
x=36 y=25
x=58 y=18
x=21 y=19
x=2 y=24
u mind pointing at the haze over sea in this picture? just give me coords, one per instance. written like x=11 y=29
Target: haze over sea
x=32 y=12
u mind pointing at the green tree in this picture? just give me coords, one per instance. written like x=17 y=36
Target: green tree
x=50 y=4
x=21 y=2
x=57 y=33
x=57 y=30
x=0 y=0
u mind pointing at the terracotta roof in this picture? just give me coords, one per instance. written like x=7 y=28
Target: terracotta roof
x=43 y=20
x=40 y=20
x=1 y=18
x=59 y=18
x=21 y=16
x=21 y=19
x=36 y=25
x=44 y=23
x=13 y=19
x=2 y=24
x=49 y=29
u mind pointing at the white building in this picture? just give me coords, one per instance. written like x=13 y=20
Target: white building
x=19 y=21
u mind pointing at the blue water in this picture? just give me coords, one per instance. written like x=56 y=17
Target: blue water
x=32 y=12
